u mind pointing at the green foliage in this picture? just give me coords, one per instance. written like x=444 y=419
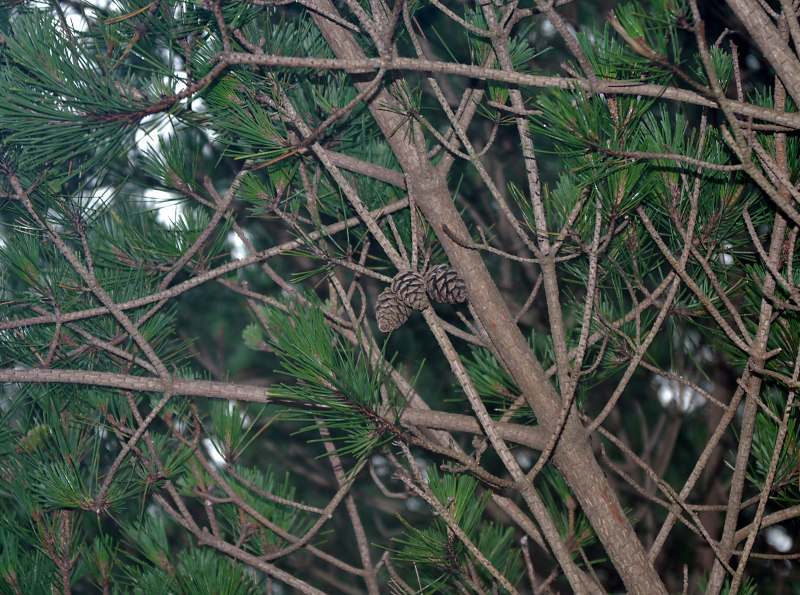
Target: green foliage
x=335 y=378
x=49 y=110
x=492 y=382
x=721 y=62
x=438 y=551
x=573 y=526
x=22 y=570
x=764 y=443
x=234 y=429
x=197 y=571
x=749 y=587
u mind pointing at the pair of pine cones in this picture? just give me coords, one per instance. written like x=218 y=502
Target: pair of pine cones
x=411 y=291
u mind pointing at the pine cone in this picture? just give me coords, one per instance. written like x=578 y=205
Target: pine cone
x=390 y=311
x=444 y=285
x=409 y=287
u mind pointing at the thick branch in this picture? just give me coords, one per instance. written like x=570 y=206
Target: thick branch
x=362 y=65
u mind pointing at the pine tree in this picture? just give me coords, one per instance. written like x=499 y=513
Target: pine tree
x=459 y=297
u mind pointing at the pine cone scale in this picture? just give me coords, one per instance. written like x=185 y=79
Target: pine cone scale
x=444 y=285
x=409 y=287
x=390 y=312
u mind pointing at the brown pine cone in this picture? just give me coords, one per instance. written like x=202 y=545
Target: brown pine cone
x=409 y=287
x=390 y=312
x=444 y=285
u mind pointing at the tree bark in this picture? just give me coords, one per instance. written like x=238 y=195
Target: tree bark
x=771 y=43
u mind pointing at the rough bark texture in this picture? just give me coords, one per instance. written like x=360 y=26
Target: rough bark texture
x=769 y=41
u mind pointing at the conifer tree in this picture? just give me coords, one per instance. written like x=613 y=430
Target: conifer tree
x=477 y=297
